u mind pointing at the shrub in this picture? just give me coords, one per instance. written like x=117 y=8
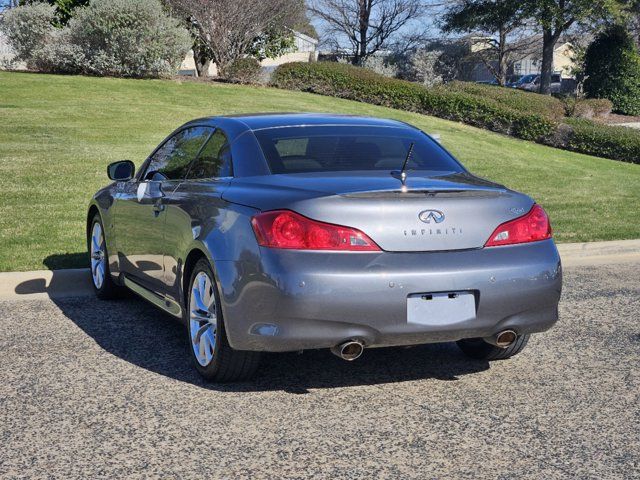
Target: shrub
x=128 y=38
x=381 y=66
x=59 y=55
x=591 y=108
x=422 y=66
x=618 y=143
x=546 y=105
x=123 y=38
x=243 y=70
x=612 y=67
x=28 y=28
x=359 y=84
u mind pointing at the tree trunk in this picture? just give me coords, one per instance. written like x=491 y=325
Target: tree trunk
x=363 y=28
x=502 y=58
x=549 y=40
x=202 y=61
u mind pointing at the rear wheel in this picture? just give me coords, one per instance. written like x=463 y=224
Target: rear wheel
x=103 y=285
x=479 y=349
x=212 y=355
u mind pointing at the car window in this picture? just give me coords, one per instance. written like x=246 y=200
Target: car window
x=171 y=160
x=214 y=160
x=350 y=148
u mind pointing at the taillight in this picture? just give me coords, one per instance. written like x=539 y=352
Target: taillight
x=287 y=229
x=532 y=227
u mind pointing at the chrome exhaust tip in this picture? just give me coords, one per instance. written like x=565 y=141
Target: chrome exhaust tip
x=348 y=351
x=503 y=339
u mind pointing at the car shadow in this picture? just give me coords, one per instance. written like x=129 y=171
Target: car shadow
x=138 y=333
x=67 y=260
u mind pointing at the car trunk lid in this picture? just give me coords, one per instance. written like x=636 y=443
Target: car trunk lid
x=437 y=212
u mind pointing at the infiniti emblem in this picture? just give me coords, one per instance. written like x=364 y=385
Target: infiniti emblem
x=436 y=215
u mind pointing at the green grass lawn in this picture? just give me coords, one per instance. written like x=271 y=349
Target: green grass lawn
x=58 y=133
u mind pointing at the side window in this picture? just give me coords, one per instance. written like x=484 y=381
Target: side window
x=171 y=160
x=214 y=159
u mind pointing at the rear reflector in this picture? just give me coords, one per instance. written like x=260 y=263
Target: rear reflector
x=532 y=227
x=287 y=229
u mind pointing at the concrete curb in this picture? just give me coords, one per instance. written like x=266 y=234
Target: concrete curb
x=44 y=284
x=599 y=253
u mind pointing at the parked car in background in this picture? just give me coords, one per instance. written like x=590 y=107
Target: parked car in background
x=288 y=232
x=531 y=83
x=514 y=80
x=523 y=80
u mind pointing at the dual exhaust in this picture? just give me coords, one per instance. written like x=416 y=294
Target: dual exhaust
x=352 y=349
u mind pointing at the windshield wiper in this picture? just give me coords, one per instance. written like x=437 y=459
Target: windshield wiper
x=402 y=174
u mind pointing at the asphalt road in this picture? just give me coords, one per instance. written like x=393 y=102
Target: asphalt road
x=90 y=389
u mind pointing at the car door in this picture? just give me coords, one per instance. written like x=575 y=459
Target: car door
x=140 y=209
x=195 y=207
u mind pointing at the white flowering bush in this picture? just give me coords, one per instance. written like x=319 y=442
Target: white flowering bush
x=128 y=38
x=58 y=55
x=120 y=38
x=423 y=65
x=28 y=28
x=381 y=66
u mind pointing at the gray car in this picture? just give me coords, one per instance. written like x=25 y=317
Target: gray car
x=287 y=232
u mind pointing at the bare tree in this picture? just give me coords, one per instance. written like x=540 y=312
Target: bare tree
x=366 y=25
x=224 y=30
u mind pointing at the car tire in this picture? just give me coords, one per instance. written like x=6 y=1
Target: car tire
x=103 y=284
x=209 y=348
x=481 y=350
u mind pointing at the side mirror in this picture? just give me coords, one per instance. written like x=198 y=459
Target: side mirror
x=121 y=171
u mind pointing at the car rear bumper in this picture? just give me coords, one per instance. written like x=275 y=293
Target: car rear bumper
x=293 y=300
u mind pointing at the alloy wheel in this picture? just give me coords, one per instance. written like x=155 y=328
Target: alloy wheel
x=202 y=319
x=98 y=256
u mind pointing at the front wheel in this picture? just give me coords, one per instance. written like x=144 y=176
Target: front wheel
x=103 y=285
x=479 y=349
x=212 y=355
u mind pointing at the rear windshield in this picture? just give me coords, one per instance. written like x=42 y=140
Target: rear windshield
x=347 y=148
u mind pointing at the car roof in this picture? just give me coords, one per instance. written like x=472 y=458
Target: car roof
x=236 y=124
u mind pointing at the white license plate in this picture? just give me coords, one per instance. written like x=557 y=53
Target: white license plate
x=441 y=308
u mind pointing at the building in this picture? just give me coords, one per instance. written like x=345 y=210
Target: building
x=563 y=62
x=305 y=50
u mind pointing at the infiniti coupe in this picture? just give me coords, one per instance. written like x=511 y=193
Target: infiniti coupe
x=287 y=232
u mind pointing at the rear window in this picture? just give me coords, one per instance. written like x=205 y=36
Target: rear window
x=348 y=148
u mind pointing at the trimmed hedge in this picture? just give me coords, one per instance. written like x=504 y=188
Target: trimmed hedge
x=609 y=141
x=546 y=105
x=354 y=83
x=510 y=113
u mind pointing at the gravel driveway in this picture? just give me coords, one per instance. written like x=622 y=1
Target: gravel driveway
x=90 y=389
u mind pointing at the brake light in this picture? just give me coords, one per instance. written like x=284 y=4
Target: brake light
x=532 y=227
x=287 y=229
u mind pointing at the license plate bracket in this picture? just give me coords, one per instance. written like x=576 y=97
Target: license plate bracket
x=441 y=308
